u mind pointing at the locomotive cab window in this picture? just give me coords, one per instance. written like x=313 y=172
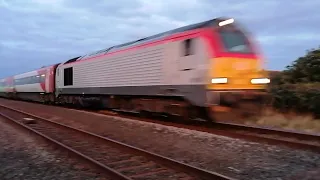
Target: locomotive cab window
x=234 y=41
x=188 y=47
x=68 y=76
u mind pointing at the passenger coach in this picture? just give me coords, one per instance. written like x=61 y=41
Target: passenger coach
x=36 y=85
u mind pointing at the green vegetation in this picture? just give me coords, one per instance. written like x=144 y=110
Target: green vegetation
x=297 y=88
x=296 y=96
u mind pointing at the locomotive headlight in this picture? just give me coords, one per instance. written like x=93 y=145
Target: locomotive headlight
x=260 y=81
x=223 y=23
x=219 y=80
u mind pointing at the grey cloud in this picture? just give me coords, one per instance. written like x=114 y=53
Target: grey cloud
x=102 y=7
x=44 y=32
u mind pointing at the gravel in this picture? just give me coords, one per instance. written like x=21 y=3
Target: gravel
x=232 y=157
x=25 y=157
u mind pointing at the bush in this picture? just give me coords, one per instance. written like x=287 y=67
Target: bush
x=301 y=98
x=298 y=86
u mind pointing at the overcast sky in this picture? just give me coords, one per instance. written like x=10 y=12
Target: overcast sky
x=34 y=33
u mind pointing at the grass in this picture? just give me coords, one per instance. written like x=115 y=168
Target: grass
x=290 y=121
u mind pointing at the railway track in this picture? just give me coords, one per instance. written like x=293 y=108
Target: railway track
x=294 y=139
x=272 y=135
x=120 y=160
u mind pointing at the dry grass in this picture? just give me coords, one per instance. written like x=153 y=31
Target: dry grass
x=291 y=121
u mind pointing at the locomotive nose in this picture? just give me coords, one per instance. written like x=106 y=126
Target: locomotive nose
x=236 y=74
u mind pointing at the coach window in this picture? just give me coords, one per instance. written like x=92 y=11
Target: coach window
x=42 y=78
x=27 y=80
x=30 y=80
x=36 y=79
x=188 y=47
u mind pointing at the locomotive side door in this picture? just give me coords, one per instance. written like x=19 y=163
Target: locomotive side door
x=185 y=62
x=190 y=61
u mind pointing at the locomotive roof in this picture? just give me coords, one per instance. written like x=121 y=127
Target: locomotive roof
x=150 y=38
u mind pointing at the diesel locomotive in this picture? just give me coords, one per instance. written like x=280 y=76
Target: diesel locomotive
x=205 y=70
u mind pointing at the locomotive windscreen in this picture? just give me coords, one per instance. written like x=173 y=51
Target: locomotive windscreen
x=234 y=41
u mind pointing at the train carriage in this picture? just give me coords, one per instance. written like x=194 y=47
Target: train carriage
x=36 y=85
x=185 y=71
x=7 y=87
